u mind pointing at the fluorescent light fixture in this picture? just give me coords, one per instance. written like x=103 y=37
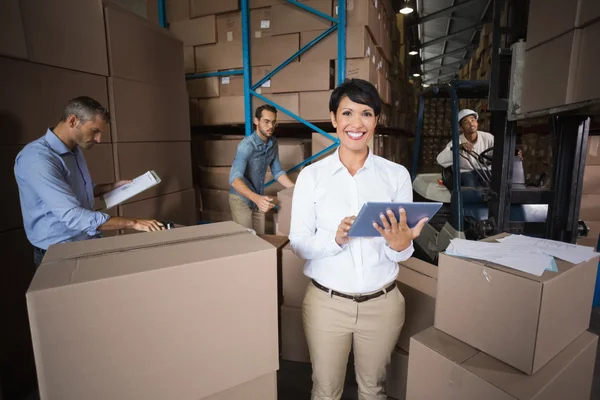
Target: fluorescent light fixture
x=416 y=74
x=413 y=53
x=406 y=8
x=426 y=85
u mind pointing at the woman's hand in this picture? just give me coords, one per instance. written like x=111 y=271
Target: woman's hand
x=341 y=235
x=397 y=233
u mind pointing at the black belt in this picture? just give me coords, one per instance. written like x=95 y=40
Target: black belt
x=359 y=298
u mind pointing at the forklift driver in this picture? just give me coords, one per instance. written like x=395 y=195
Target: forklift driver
x=471 y=141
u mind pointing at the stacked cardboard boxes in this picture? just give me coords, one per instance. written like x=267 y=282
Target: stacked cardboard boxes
x=590 y=198
x=531 y=344
x=537 y=159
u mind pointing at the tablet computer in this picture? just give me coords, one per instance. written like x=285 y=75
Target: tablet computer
x=370 y=212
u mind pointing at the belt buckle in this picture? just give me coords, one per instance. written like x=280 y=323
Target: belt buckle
x=360 y=298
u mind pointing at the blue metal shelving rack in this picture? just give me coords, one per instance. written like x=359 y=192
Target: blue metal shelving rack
x=339 y=24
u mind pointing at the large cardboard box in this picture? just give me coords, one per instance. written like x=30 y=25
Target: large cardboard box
x=203 y=88
x=142 y=112
x=234 y=85
x=288 y=18
x=587 y=11
x=199 y=8
x=280 y=242
x=178 y=207
x=549 y=81
x=12 y=39
x=222 y=110
x=587 y=86
x=218 y=151
x=195 y=32
x=292 y=151
x=417 y=281
x=590 y=207
x=49 y=42
x=215 y=216
x=150 y=286
x=273 y=50
x=260 y=22
x=293 y=278
x=219 y=56
x=277 y=187
x=363 y=13
x=303 y=76
x=141 y=51
x=289 y=101
x=34 y=96
x=361 y=68
x=320 y=143
x=263 y=388
x=284 y=198
x=443 y=368
x=172 y=161
x=10 y=212
x=100 y=163
x=214 y=177
x=229 y=27
x=177 y=10
x=397 y=375
x=521 y=319
x=593 y=151
x=189 y=61
x=215 y=200
x=293 y=341
x=358 y=44
x=314 y=106
x=544 y=23
x=591 y=179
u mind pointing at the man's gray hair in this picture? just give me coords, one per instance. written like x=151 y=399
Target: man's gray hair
x=85 y=109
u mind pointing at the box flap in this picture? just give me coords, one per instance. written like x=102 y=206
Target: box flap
x=449 y=347
x=417 y=280
x=138 y=253
x=422 y=267
x=276 y=240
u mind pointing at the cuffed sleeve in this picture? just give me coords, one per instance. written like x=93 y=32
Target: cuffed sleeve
x=399 y=256
x=240 y=162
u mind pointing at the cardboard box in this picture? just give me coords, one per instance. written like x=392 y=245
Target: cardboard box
x=273 y=50
x=550 y=82
x=292 y=151
x=288 y=18
x=229 y=27
x=12 y=40
x=194 y=116
x=397 y=375
x=438 y=361
x=234 y=85
x=189 y=61
x=203 y=88
x=47 y=40
x=140 y=51
x=214 y=177
x=320 y=143
x=545 y=24
x=154 y=283
x=280 y=242
x=590 y=207
x=195 y=32
x=284 y=199
x=220 y=56
x=219 y=151
x=216 y=200
x=25 y=118
x=358 y=44
x=525 y=329
x=260 y=22
x=591 y=179
x=216 y=216
x=363 y=13
x=303 y=76
x=293 y=346
x=172 y=161
x=586 y=82
x=199 y=8
x=314 y=106
x=587 y=11
x=142 y=112
x=277 y=187
x=100 y=163
x=178 y=207
x=293 y=278
x=10 y=212
x=177 y=10
x=289 y=101
x=263 y=3
x=263 y=388
x=593 y=151
x=593 y=236
x=417 y=281
x=361 y=68
x=222 y=110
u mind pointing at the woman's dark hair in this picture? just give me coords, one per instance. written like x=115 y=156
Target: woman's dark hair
x=357 y=90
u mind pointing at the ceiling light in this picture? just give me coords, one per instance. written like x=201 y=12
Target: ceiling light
x=426 y=85
x=406 y=8
x=416 y=74
x=413 y=53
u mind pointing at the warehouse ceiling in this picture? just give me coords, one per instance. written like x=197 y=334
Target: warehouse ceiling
x=446 y=34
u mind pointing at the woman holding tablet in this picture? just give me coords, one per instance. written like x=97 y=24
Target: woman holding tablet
x=352 y=301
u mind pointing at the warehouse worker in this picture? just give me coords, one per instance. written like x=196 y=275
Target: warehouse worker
x=352 y=301
x=247 y=177
x=55 y=187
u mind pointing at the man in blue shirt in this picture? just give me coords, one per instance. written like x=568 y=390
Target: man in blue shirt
x=247 y=178
x=55 y=187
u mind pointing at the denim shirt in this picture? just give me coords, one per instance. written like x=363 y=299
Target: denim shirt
x=251 y=162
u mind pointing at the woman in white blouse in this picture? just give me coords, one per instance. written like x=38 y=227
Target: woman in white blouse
x=352 y=301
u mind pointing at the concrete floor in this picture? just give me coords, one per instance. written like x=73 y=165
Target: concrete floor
x=295 y=382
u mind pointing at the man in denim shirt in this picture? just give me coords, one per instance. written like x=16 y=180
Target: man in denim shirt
x=247 y=178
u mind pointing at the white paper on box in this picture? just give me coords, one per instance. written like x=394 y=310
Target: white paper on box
x=225 y=80
x=267 y=84
x=265 y=24
x=230 y=36
x=125 y=192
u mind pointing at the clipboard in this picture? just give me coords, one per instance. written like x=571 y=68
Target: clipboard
x=370 y=212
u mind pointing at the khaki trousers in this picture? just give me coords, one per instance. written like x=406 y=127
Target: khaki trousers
x=333 y=325
x=243 y=214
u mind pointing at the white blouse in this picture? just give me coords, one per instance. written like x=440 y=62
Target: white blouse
x=325 y=193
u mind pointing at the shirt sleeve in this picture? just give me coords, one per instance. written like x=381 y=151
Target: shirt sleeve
x=306 y=240
x=404 y=194
x=276 y=169
x=240 y=163
x=445 y=157
x=49 y=184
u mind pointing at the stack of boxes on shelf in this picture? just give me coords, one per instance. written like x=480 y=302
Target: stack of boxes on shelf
x=531 y=344
x=212 y=36
x=125 y=63
x=574 y=32
x=437 y=132
x=538 y=159
x=590 y=198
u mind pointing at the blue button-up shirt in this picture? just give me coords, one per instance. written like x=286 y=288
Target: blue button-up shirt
x=56 y=192
x=250 y=164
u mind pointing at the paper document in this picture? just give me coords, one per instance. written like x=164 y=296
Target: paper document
x=125 y=192
x=572 y=253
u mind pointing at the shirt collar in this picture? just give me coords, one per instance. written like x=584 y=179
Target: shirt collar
x=337 y=163
x=257 y=140
x=55 y=143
